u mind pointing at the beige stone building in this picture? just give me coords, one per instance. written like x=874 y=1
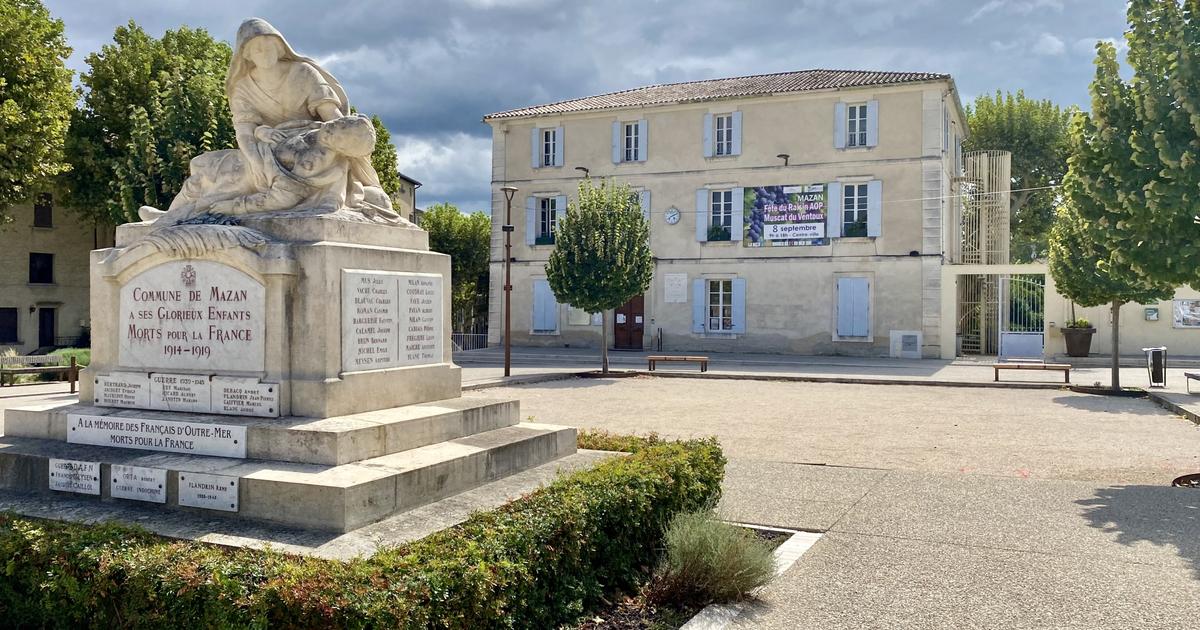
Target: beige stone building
x=44 y=275
x=802 y=212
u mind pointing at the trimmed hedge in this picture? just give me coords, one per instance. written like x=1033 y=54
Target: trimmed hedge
x=537 y=562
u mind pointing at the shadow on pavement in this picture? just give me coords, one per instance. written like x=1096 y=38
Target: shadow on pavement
x=1160 y=515
x=1111 y=404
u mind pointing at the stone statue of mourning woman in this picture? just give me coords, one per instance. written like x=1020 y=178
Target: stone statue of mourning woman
x=299 y=148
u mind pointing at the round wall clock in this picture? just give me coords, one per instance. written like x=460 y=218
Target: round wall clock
x=672 y=215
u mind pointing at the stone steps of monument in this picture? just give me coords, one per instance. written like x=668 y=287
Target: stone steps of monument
x=330 y=441
x=336 y=498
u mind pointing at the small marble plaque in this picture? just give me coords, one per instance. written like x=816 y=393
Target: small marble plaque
x=68 y=475
x=123 y=389
x=180 y=392
x=213 y=492
x=138 y=483
x=149 y=434
x=245 y=397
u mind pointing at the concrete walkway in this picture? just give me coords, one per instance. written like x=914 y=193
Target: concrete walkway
x=485 y=366
x=944 y=507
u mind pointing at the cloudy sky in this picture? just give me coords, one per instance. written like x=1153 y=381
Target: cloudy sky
x=432 y=69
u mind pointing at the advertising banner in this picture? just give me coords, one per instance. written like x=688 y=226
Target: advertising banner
x=785 y=216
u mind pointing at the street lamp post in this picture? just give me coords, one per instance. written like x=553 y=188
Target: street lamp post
x=508 y=191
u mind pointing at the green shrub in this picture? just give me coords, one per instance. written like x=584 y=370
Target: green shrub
x=83 y=356
x=537 y=562
x=708 y=561
x=601 y=440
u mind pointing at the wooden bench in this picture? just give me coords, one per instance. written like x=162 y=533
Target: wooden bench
x=38 y=364
x=1065 y=368
x=653 y=359
x=1188 y=377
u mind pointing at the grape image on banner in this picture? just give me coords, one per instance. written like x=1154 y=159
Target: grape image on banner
x=785 y=216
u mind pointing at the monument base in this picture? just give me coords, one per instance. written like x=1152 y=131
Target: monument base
x=333 y=474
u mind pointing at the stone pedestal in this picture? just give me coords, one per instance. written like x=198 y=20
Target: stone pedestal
x=294 y=368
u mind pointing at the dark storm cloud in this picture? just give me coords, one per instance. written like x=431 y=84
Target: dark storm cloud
x=431 y=69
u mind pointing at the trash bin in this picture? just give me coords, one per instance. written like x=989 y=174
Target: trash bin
x=1156 y=365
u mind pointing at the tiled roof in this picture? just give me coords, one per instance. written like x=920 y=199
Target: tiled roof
x=712 y=89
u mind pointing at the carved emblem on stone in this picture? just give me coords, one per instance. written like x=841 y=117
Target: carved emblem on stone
x=188 y=275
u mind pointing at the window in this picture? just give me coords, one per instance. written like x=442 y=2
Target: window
x=721 y=212
x=8 y=325
x=549 y=146
x=723 y=134
x=41 y=268
x=853 y=308
x=632 y=144
x=720 y=305
x=854 y=210
x=43 y=211
x=1187 y=313
x=856 y=125
x=545 y=309
x=547 y=220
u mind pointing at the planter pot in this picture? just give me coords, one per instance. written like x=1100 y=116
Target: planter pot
x=1079 y=341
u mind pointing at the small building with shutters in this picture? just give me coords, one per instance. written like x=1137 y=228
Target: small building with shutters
x=801 y=212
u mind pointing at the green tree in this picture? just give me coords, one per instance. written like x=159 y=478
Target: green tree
x=383 y=158
x=601 y=256
x=1090 y=234
x=36 y=99
x=1035 y=132
x=150 y=106
x=467 y=239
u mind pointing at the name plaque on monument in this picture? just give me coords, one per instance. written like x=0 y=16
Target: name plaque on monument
x=139 y=483
x=192 y=314
x=213 y=492
x=68 y=475
x=123 y=389
x=180 y=392
x=244 y=397
x=194 y=438
x=390 y=319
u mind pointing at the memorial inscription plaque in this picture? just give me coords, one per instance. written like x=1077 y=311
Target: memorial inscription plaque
x=213 y=492
x=123 y=389
x=194 y=438
x=180 y=392
x=192 y=314
x=245 y=397
x=69 y=475
x=138 y=483
x=390 y=319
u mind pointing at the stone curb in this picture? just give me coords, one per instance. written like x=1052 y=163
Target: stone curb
x=1173 y=407
x=720 y=616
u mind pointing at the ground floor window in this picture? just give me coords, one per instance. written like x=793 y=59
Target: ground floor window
x=720 y=305
x=8 y=325
x=853 y=307
x=545 y=308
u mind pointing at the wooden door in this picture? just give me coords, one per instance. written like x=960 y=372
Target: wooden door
x=629 y=324
x=46 y=321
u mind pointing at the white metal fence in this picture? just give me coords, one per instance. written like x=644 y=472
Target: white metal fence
x=468 y=341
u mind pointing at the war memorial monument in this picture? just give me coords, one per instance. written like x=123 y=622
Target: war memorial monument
x=273 y=345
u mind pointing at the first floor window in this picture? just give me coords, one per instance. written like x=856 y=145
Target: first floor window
x=8 y=325
x=723 y=133
x=854 y=210
x=720 y=305
x=632 y=145
x=721 y=213
x=547 y=220
x=41 y=268
x=549 y=146
x=856 y=125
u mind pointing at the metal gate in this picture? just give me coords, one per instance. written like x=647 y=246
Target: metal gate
x=1022 y=316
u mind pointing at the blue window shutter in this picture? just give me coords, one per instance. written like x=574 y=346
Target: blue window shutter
x=535 y=145
x=618 y=145
x=708 y=135
x=872 y=123
x=862 y=312
x=737 y=134
x=702 y=219
x=874 y=207
x=558 y=146
x=739 y=305
x=531 y=220
x=739 y=210
x=853 y=307
x=839 y=126
x=560 y=205
x=833 y=210
x=644 y=201
x=540 y=289
x=643 y=140
x=699 y=302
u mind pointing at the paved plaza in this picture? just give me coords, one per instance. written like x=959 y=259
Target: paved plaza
x=943 y=506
